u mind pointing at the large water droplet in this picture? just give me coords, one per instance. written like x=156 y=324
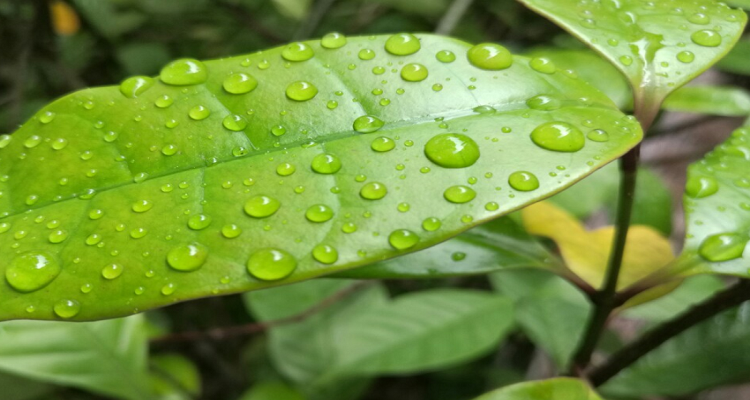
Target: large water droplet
x=701 y=186
x=366 y=54
x=135 y=86
x=301 y=91
x=414 y=72
x=32 y=271
x=686 y=57
x=319 y=213
x=445 y=56
x=402 y=44
x=199 y=222
x=186 y=71
x=490 y=56
x=261 y=206
x=297 y=51
x=67 y=309
x=271 y=264
x=112 y=271
x=459 y=194
x=723 y=247
x=333 y=40
x=402 y=239
x=373 y=191
x=199 y=113
x=452 y=150
x=187 y=257
x=240 y=83
x=367 y=124
x=383 y=144
x=523 y=181
x=326 y=164
x=285 y=169
x=706 y=38
x=558 y=136
x=431 y=224
x=234 y=122
x=325 y=254
x=141 y=206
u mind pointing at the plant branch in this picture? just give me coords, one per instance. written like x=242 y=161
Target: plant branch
x=654 y=338
x=248 y=329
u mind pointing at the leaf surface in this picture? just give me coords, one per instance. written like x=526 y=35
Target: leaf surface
x=714 y=100
x=552 y=389
x=658 y=45
x=124 y=196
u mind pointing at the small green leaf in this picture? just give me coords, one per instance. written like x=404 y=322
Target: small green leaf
x=552 y=389
x=658 y=45
x=496 y=245
x=715 y=352
x=738 y=60
x=106 y=357
x=281 y=166
x=717 y=207
x=715 y=100
x=174 y=377
x=692 y=290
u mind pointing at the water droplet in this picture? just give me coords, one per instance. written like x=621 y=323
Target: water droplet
x=142 y=206
x=261 y=206
x=112 y=271
x=701 y=186
x=87 y=288
x=297 y=51
x=58 y=236
x=373 y=191
x=414 y=72
x=271 y=264
x=626 y=60
x=544 y=103
x=199 y=222
x=378 y=70
x=402 y=239
x=32 y=141
x=285 y=169
x=187 y=257
x=699 y=19
x=96 y=214
x=47 y=117
x=32 y=271
x=168 y=289
x=459 y=194
x=186 y=71
x=333 y=40
x=490 y=56
x=199 y=113
x=325 y=254
x=706 y=38
x=598 y=135
x=234 y=123
x=452 y=150
x=723 y=247
x=231 y=231
x=491 y=206
x=326 y=164
x=685 y=57
x=543 y=65
x=301 y=91
x=445 y=56
x=402 y=44
x=366 y=54
x=523 y=181
x=4 y=141
x=135 y=86
x=67 y=309
x=59 y=144
x=367 y=124
x=431 y=224
x=319 y=213
x=240 y=83
x=458 y=256
x=558 y=136
x=383 y=144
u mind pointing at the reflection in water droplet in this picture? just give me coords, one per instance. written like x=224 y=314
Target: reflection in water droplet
x=183 y=72
x=543 y=65
x=459 y=194
x=261 y=206
x=112 y=271
x=301 y=91
x=402 y=44
x=325 y=254
x=199 y=113
x=490 y=56
x=373 y=191
x=402 y=239
x=706 y=38
x=135 y=86
x=271 y=264
x=326 y=164
x=240 y=83
x=367 y=124
x=414 y=72
x=187 y=257
x=333 y=40
x=319 y=213
x=523 y=181
x=383 y=144
x=558 y=136
x=700 y=186
x=297 y=51
x=452 y=150
x=723 y=247
x=67 y=309
x=235 y=123
x=598 y=135
x=31 y=271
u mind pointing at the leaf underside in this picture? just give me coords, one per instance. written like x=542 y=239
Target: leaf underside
x=76 y=204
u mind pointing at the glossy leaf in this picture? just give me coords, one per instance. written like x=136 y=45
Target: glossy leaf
x=552 y=389
x=707 y=355
x=107 y=186
x=106 y=357
x=658 y=45
x=717 y=205
x=738 y=60
x=715 y=100
x=497 y=245
x=550 y=310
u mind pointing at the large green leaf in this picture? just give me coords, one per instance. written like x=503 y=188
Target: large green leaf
x=107 y=186
x=658 y=45
x=552 y=389
x=715 y=100
x=738 y=60
x=717 y=206
x=712 y=353
x=106 y=357
x=496 y=245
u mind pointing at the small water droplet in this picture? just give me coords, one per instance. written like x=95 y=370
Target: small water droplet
x=402 y=239
x=67 y=309
x=199 y=222
x=285 y=169
x=366 y=54
x=701 y=186
x=135 y=86
x=32 y=271
x=112 y=271
x=543 y=65
x=598 y=135
x=445 y=56
x=141 y=206
x=686 y=57
x=199 y=113
x=367 y=124
x=373 y=191
x=261 y=206
x=297 y=51
x=319 y=213
x=706 y=38
x=301 y=91
x=333 y=40
x=239 y=83
x=326 y=164
x=234 y=123
x=231 y=231
x=558 y=136
x=47 y=117
x=325 y=254
x=723 y=247
x=414 y=72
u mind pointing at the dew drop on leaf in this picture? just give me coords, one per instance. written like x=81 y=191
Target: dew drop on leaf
x=231 y=231
x=47 y=117
x=366 y=54
x=297 y=51
x=459 y=194
x=373 y=191
x=701 y=186
x=285 y=169
x=685 y=57
x=199 y=113
x=414 y=72
x=367 y=124
x=402 y=44
x=543 y=65
x=135 y=86
x=558 y=136
x=183 y=72
x=382 y=144
x=325 y=254
x=598 y=135
x=723 y=247
x=490 y=56
x=544 y=103
x=187 y=257
x=239 y=83
x=402 y=239
x=112 y=271
x=523 y=181
x=271 y=264
x=431 y=224
x=319 y=213
x=58 y=236
x=261 y=206
x=31 y=271
x=452 y=150
x=706 y=38
x=326 y=164
x=199 y=222
x=301 y=91
x=141 y=206
x=67 y=309
x=445 y=56
x=234 y=122
x=333 y=40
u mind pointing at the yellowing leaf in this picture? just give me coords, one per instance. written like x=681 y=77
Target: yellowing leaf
x=65 y=20
x=587 y=253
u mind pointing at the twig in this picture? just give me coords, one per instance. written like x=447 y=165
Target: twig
x=319 y=10
x=452 y=16
x=654 y=338
x=248 y=329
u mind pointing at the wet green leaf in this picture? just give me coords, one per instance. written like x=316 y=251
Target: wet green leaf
x=106 y=357
x=715 y=100
x=738 y=60
x=552 y=389
x=658 y=45
x=248 y=172
x=715 y=352
x=717 y=206
x=496 y=245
